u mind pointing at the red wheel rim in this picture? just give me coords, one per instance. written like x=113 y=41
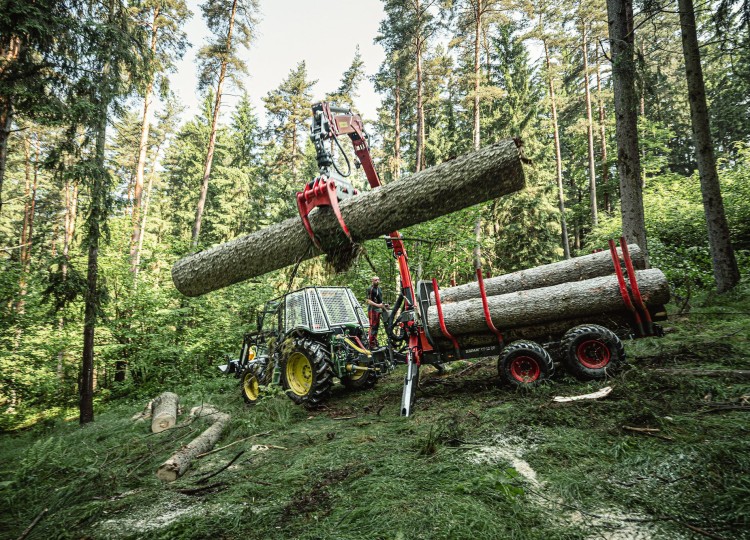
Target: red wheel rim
x=525 y=369
x=593 y=354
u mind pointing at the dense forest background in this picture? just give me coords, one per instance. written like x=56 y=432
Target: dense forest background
x=99 y=194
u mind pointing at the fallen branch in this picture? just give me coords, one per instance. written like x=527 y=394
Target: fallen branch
x=200 y=490
x=604 y=392
x=145 y=413
x=225 y=467
x=653 y=432
x=230 y=444
x=37 y=519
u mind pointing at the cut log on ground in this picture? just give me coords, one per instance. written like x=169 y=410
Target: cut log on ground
x=575 y=269
x=176 y=465
x=586 y=298
x=491 y=172
x=164 y=415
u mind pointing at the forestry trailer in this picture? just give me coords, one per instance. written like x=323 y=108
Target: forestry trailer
x=306 y=352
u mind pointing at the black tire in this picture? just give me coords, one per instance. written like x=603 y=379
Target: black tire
x=360 y=380
x=306 y=374
x=525 y=364
x=250 y=385
x=592 y=352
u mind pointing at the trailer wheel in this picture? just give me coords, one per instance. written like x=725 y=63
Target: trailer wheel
x=250 y=385
x=306 y=373
x=525 y=364
x=592 y=352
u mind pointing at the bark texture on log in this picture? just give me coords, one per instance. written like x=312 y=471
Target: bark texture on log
x=576 y=269
x=548 y=304
x=491 y=172
x=164 y=412
x=541 y=333
x=180 y=462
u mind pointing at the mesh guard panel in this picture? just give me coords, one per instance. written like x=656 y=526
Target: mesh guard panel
x=338 y=306
x=316 y=312
x=363 y=319
x=296 y=314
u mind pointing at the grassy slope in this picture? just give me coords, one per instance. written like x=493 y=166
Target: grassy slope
x=477 y=460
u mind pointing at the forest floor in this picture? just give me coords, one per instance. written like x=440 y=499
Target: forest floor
x=477 y=460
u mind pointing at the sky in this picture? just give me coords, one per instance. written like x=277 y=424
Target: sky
x=323 y=33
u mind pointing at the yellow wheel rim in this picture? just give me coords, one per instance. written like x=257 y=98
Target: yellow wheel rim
x=299 y=373
x=357 y=374
x=250 y=386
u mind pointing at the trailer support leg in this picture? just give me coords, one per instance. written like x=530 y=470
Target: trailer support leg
x=410 y=386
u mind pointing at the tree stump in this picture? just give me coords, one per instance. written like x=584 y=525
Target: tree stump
x=164 y=412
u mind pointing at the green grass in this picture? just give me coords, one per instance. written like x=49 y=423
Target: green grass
x=459 y=468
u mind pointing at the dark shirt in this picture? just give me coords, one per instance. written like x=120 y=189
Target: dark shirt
x=376 y=295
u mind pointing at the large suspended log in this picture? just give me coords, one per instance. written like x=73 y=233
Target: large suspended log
x=575 y=269
x=588 y=298
x=491 y=172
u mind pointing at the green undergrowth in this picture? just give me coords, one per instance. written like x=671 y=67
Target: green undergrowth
x=477 y=460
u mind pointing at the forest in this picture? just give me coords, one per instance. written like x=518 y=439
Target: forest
x=635 y=121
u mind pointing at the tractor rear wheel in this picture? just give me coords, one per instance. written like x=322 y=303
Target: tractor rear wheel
x=592 y=352
x=525 y=364
x=306 y=373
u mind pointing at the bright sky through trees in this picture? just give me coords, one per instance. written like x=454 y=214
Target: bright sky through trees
x=323 y=33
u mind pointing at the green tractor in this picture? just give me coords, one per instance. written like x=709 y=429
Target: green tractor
x=305 y=340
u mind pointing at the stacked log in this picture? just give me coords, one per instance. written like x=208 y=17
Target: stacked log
x=545 y=310
x=575 y=269
x=491 y=172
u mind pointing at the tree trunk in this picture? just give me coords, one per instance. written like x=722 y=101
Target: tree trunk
x=212 y=137
x=603 y=137
x=419 y=158
x=8 y=57
x=558 y=156
x=143 y=223
x=575 y=269
x=91 y=300
x=494 y=171
x=589 y=130
x=477 y=31
x=6 y=123
x=726 y=273
x=164 y=412
x=397 y=129
x=176 y=465
x=621 y=38
x=142 y=150
x=588 y=298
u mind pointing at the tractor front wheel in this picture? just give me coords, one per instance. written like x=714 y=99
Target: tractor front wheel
x=592 y=352
x=525 y=364
x=306 y=373
x=359 y=380
x=250 y=386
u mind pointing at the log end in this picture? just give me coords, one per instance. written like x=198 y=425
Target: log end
x=167 y=472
